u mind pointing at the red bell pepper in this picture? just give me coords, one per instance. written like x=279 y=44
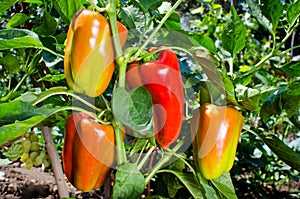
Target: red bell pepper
x=162 y=79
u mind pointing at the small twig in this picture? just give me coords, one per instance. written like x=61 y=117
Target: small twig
x=55 y=163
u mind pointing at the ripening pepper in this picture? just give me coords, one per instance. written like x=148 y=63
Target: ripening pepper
x=89 y=55
x=216 y=131
x=88 y=151
x=162 y=79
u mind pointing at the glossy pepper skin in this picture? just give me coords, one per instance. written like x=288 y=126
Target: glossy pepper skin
x=162 y=79
x=88 y=151
x=216 y=131
x=89 y=55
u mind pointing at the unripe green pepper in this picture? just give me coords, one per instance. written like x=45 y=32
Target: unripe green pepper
x=216 y=131
x=89 y=55
x=88 y=152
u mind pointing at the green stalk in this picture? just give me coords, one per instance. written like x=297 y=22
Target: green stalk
x=67 y=93
x=6 y=97
x=121 y=63
x=166 y=158
x=121 y=153
x=112 y=13
x=95 y=6
x=146 y=157
x=52 y=52
x=274 y=49
x=290 y=49
x=164 y=19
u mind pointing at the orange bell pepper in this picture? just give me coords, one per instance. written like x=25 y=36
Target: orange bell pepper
x=216 y=131
x=88 y=152
x=89 y=54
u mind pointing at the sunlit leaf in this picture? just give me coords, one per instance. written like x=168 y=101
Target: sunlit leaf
x=18 y=38
x=16 y=20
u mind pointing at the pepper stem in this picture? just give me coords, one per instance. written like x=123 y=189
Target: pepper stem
x=112 y=13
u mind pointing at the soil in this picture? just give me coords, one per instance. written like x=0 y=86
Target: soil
x=19 y=182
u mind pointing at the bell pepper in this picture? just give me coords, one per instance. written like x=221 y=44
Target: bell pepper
x=89 y=55
x=216 y=131
x=162 y=79
x=88 y=151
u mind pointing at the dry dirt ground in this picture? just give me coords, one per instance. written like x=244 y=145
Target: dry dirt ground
x=18 y=182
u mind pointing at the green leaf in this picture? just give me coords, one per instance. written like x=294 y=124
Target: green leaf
x=173 y=184
x=128 y=16
x=184 y=38
x=11 y=131
x=272 y=10
x=248 y=97
x=5 y=4
x=206 y=42
x=290 y=98
x=234 y=34
x=173 y=22
x=10 y=63
x=38 y=2
x=295 y=119
x=138 y=145
x=133 y=109
x=224 y=185
x=189 y=182
x=16 y=20
x=293 y=12
x=273 y=103
x=257 y=13
x=49 y=25
x=69 y=7
x=33 y=98
x=285 y=98
x=52 y=78
x=17 y=116
x=285 y=153
x=146 y=4
x=18 y=38
x=130 y=182
x=205 y=59
x=228 y=85
x=292 y=68
x=16 y=110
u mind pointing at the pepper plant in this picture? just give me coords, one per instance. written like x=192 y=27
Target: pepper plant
x=142 y=100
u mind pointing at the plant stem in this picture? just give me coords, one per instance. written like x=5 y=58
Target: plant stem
x=67 y=93
x=6 y=97
x=290 y=49
x=121 y=154
x=145 y=158
x=95 y=6
x=52 y=52
x=55 y=162
x=121 y=63
x=164 y=160
x=164 y=19
x=112 y=13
